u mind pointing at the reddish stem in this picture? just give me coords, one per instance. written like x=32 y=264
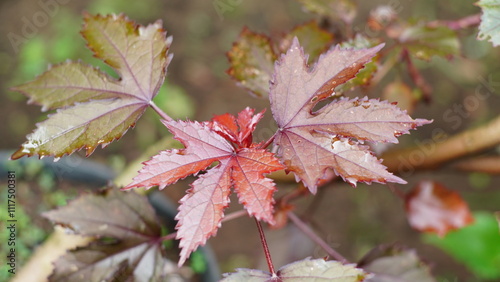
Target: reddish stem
x=311 y=234
x=162 y=114
x=462 y=23
x=234 y=215
x=266 y=248
x=269 y=141
x=170 y=236
x=417 y=78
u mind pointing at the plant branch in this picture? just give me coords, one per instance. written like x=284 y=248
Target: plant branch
x=417 y=78
x=266 y=248
x=437 y=152
x=234 y=215
x=485 y=164
x=462 y=23
x=311 y=234
x=162 y=114
x=269 y=141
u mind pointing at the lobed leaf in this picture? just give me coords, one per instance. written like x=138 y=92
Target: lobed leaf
x=240 y=165
x=127 y=244
x=364 y=75
x=313 y=38
x=431 y=207
x=89 y=102
x=490 y=25
x=202 y=148
x=251 y=59
x=310 y=142
x=303 y=270
x=138 y=53
x=253 y=55
x=425 y=42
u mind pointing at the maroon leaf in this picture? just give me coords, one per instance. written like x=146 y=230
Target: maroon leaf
x=310 y=142
x=128 y=239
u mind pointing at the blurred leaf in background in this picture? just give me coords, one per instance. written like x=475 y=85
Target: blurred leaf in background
x=477 y=245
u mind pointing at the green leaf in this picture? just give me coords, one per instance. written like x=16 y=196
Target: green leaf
x=312 y=38
x=490 y=23
x=303 y=270
x=477 y=245
x=128 y=244
x=392 y=263
x=252 y=62
x=344 y=10
x=424 y=42
x=94 y=108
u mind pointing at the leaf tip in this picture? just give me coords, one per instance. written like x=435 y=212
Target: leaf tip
x=18 y=154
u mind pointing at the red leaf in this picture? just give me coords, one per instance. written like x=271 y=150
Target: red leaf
x=239 y=166
x=238 y=130
x=311 y=142
x=431 y=207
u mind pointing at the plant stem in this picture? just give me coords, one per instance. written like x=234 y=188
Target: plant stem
x=465 y=22
x=170 y=236
x=266 y=248
x=269 y=141
x=162 y=114
x=311 y=234
x=234 y=215
x=417 y=77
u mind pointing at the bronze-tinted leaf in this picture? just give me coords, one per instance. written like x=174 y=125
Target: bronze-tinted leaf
x=431 y=207
x=92 y=107
x=251 y=59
